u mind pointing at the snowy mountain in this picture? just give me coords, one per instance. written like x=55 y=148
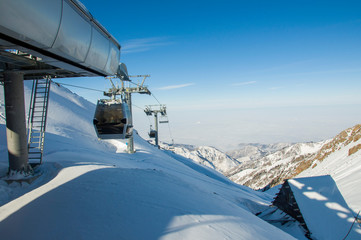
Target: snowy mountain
x=92 y=189
x=256 y=166
x=340 y=158
x=261 y=165
x=272 y=169
x=254 y=151
x=207 y=156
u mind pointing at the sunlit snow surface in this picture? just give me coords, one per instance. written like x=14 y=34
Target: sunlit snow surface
x=323 y=208
x=91 y=189
x=345 y=169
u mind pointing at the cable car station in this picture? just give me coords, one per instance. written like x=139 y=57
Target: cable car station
x=63 y=40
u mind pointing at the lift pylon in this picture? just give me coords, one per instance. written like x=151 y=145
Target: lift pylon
x=154 y=110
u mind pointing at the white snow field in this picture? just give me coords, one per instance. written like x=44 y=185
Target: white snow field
x=92 y=189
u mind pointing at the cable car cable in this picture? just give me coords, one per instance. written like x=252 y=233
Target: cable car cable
x=170 y=132
x=137 y=106
x=150 y=123
x=97 y=90
x=156 y=98
x=65 y=84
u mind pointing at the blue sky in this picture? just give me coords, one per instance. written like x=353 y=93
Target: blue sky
x=240 y=71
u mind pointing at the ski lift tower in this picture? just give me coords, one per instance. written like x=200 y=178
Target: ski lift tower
x=154 y=110
x=126 y=92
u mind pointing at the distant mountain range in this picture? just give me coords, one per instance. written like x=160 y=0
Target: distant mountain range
x=208 y=156
x=253 y=165
x=254 y=151
x=271 y=169
x=260 y=165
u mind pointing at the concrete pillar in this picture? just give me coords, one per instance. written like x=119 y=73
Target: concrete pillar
x=15 y=122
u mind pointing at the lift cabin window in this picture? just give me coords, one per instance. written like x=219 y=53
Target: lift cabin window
x=110 y=119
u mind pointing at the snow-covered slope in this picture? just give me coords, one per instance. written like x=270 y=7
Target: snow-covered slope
x=91 y=189
x=205 y=155
x=315 y=196
x=341 y=158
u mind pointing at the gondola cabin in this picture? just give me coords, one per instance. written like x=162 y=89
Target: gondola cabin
x=152 y=133
x=112 y=119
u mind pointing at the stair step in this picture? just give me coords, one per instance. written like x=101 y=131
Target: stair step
x=38 y=112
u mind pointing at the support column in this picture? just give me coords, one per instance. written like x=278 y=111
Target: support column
x=156 y=128
x=15 y=122
x=130 y=146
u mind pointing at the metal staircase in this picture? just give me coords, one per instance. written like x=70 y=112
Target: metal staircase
x=37 y=119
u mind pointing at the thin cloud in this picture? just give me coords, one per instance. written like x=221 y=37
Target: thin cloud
x=176 y=86
x=244 y=83
x=144 y=44
x=275 y=88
